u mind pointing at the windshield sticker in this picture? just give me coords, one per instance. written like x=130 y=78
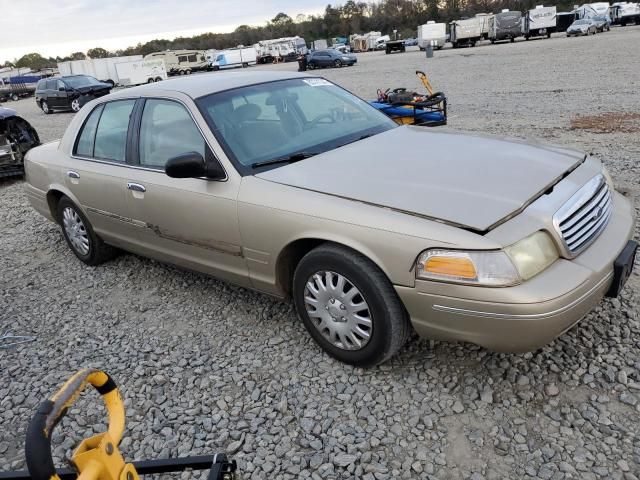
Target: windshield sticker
x=316 y=82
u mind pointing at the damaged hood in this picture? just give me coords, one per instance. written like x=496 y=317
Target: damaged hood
x=466 y=180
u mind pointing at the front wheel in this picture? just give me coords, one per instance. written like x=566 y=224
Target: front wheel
x=75 y=105
x=348 y=306
x=45 y=107
x=15 y=97
x=337 y=64
x=80 y=237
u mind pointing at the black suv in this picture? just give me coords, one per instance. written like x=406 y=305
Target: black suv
x=70 y=92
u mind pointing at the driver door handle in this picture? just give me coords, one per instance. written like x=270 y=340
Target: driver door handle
x=72 y=174
x=136 y=187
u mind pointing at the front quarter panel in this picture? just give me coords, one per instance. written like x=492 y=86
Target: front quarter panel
x=273 y=215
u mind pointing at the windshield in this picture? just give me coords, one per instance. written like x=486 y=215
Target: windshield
x=279 y=119
x=581 y=22
x=81 y=81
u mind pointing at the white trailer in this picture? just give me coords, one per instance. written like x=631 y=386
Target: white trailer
x=589 y=10
x=104 y=69
x=381 y=42
x=432 y=33
x=365 y=42
x=466 y=32
x=234 y=57
x=181 y=62
x=625 y=13
x=539 y=22
x=142 y=71
x=319 y=45
x=286 y=48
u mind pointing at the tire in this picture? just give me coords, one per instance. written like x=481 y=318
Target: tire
x=389 y=324
x=15 y=97
x=337 y=64
x=75 y=104
x=512 y=39
x=72 y=219
x=158 y=79
x=181 y=72
x=150 y=80
x=216 y=68
x=111 y=82
x=245 y=65
x=311 y=65
x=45 y=107
x=187 y=71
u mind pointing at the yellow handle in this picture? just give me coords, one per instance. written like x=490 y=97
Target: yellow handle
x=51 y=411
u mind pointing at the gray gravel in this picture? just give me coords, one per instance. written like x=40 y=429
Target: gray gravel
x=205 y=366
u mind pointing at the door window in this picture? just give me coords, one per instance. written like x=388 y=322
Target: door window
x=85 y=142
x=111 y=134
x=166 y=131
x=60 y=85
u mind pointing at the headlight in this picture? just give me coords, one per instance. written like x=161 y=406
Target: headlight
x=346 y=58
x=532 y=254
x=520 y=261
x=607 y=177
x=493 y=269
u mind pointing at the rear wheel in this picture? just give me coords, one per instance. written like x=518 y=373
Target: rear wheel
x=337 y=64
x=15 y=97
x=187 y=71
x=45 y=107
x=80 y=237
x=349 y=306
x=150 y=80
x=158 y=79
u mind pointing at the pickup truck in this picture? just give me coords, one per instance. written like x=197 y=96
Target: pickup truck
x=394 y=46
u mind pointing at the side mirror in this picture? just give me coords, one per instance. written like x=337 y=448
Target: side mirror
x=192 y=165
x=62 y=89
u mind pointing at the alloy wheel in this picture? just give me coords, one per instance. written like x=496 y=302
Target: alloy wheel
x=45 y=107
x=76 y=231
x=75 y=104
x=338 y=310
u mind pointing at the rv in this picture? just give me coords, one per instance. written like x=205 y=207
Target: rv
x=233 y=58
x=625 y=13
x=381 y=42
x=364 y=43
x=539 y=22
x=287 y=49
x=589 y=10
x=505 y=25
x=103 y=69
x=483 y=19
x=141 y=71
x=466 y=32
x=432 y=33
x=181 y=62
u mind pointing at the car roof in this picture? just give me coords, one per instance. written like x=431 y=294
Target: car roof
x=202 y=84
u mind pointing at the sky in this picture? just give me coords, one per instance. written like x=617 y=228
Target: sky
x=62 y=27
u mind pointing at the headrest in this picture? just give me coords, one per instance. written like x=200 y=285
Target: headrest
x=247 y=112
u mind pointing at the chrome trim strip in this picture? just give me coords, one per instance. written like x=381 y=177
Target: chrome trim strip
x=532 y=316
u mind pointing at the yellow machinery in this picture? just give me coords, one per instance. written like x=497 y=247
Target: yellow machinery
x=98 y=457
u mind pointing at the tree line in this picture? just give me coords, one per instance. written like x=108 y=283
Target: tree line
x=340 y=20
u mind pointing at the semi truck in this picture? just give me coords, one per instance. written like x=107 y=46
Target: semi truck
x=539 y=22
x=506 y=25
x=625 y=13
x=234 y=58
x=432 y=33
x=465 y=33
x=181 y=62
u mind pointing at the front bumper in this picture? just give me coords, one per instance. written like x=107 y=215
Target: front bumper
x=527 y=316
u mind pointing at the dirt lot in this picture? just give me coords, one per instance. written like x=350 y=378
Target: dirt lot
x=206 y=366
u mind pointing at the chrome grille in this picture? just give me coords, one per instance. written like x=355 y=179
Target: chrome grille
x=584 y=216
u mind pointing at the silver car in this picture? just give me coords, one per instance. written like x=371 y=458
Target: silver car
x=586 y=26
x=288 y=184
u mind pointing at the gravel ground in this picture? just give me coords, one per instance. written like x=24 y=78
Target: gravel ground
x=205 y=366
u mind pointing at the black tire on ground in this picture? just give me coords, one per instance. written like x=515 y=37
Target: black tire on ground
x=181 y=72
x=337 y=64
x=245 y=65
x=45 y=107
x=15 y=97
x=512 y=39
x=440 y=47
x=216 y=68
x=151 y=80
x=187 y=71
x=390 y=327
x=99 y=252
x=158 y=79
x=493 y=40
x=311 y=65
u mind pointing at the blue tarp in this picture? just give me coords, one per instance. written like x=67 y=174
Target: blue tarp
x=397 y=111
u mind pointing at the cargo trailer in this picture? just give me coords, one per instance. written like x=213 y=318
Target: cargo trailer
x=141 y=71
x=103 y=69
x=564 y=20
x=539 y=22
x=465 y=33
x=234 y=58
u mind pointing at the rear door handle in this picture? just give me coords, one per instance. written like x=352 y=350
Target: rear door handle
x=72 y=174
x=136 y=187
